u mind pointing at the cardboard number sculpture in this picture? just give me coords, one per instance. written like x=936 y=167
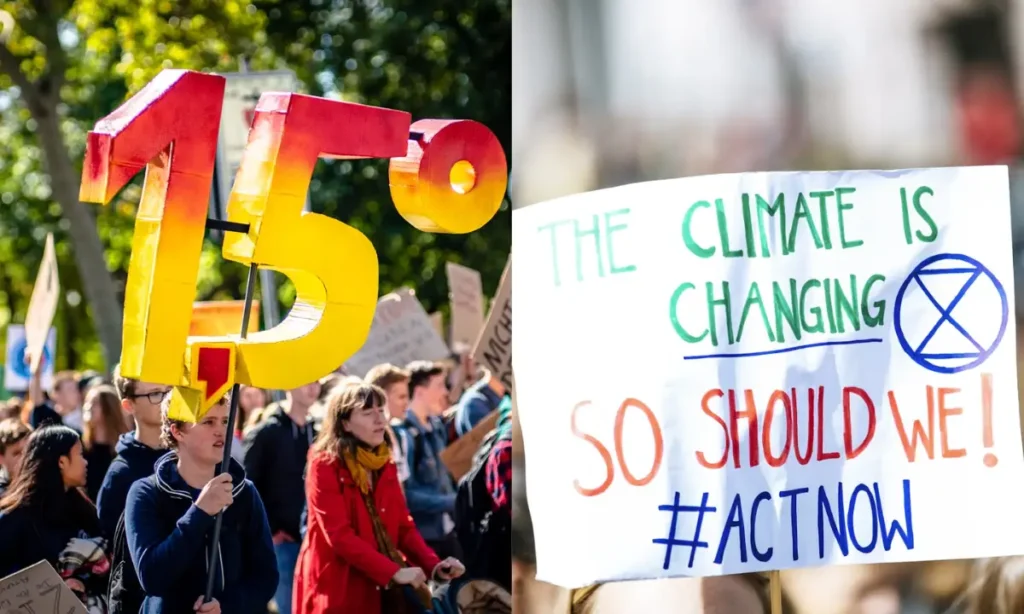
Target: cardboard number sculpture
x=446 y=176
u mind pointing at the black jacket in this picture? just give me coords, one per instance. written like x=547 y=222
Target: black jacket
x=275 y=461
x=28 y=536
x=169 y=539
x=134 y=461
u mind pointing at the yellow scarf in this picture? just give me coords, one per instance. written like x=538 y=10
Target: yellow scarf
x=365 y=461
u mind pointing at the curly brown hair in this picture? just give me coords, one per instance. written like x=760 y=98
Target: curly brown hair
x=333 y=438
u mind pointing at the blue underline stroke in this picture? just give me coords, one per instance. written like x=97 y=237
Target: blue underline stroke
x=948 y=271
x=784 y=350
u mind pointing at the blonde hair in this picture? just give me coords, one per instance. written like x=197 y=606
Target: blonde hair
x=997 y=586
x=386 y=375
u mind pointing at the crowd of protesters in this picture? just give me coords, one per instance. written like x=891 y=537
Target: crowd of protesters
x=336 y=498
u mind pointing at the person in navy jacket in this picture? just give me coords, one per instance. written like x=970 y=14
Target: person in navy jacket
x=137 y=452
x=169 y=519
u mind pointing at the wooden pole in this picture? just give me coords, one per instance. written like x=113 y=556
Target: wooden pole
x=775 y=590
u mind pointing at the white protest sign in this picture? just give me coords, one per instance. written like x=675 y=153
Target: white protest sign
x=38 y=589
x=465 y=290
x=401 y=333
x=43 y=304
x=750 y=372
x=16 y=370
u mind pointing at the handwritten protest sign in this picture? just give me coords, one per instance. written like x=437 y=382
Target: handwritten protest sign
x=437 y=320
x=401 y=333
x=494 y=347
x=466 y=293
x=766 y=371
x=35 y=590
x=43 y=304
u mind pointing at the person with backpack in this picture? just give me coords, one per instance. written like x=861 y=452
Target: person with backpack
x=170 y=514
x=361 y=549
x=429 y=489
x=483 y=505
x=137 y=451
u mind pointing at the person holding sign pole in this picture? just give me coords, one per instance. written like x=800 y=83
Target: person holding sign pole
x=170 y=514
x=63 y=405
x=360 y=537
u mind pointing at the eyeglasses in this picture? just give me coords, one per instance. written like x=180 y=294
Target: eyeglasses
x=156 y=397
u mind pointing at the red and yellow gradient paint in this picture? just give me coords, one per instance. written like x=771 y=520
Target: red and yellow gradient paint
x=450 y=179
x=333 y=265
x=170 y=129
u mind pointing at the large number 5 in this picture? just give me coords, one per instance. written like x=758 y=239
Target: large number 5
x=333 y=266
x=450 y=178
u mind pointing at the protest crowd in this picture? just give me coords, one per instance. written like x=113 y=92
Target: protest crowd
x=337 y=498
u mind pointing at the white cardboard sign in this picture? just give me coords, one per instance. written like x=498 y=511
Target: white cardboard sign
x=401 y=333
x=762 y=371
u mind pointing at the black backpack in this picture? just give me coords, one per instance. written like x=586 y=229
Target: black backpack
x=124 y=592
x=483 y=532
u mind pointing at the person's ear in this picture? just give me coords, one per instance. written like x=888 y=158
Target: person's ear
x=128 y=406
x=63 y=462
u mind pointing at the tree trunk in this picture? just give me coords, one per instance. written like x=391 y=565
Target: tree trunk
x=100 y=291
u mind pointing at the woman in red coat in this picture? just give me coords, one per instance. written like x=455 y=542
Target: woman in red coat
x=359 y=527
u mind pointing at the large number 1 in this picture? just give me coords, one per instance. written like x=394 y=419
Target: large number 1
x=170 y=127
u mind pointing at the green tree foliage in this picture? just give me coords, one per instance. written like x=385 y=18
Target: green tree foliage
x=433 y=58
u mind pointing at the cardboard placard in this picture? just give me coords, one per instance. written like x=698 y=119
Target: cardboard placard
x=465 y=290
x=458 y=457
x=494 y=347
x=437 y=319
x=38 y=590
x=43 y=305
x=219 y=318
x=401 y=333
x=810 y=369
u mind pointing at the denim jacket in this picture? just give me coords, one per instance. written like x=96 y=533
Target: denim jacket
x=475 y=404
x=429 y=490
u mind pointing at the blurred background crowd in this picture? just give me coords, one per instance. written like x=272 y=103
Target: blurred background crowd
x=610 y=92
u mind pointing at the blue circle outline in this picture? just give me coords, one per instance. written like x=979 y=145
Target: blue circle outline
x=982 y=356
x=18 y=358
